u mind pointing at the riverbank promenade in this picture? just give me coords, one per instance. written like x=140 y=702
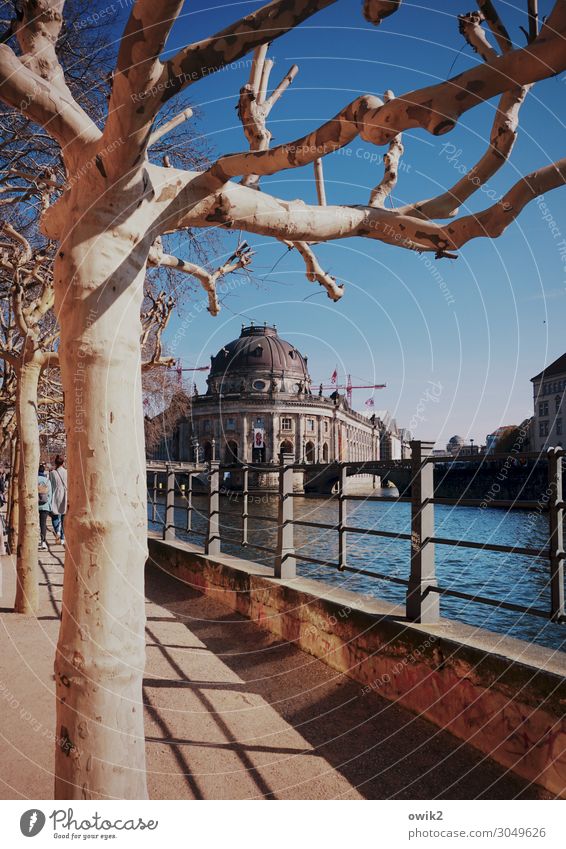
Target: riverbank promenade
x=232 y=712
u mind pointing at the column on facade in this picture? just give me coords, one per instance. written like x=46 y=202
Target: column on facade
x=300 y=437
x=274 y=431
x=319 y=454
x=244 y=447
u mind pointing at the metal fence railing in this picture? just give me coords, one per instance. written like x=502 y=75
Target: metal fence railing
x=423 y=591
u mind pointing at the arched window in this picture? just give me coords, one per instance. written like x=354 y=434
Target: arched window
x=287 y=448
x=309 y=452
x=231 y=452
x=207 y=450
x=325 y=453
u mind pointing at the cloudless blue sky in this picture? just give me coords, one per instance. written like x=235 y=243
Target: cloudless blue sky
x=394 y=324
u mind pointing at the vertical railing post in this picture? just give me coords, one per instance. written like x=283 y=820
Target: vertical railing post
x=212 y=544
x=285 y=563
x=422 y=604
x=342 y=518
x=556 y=533
x=189 y=498
x=154 y=499
x=245 y=513
x=169 y=524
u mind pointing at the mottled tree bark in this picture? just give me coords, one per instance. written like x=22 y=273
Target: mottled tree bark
x=100 y=654
x=27 y=568
x=13 y=512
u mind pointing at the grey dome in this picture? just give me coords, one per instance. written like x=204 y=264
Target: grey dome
x=456 y=440
x=258 y=354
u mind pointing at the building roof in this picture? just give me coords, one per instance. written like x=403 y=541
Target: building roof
x=557 y=367
x=258 y=352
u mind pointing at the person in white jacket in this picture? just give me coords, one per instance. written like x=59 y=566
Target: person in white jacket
x=58 y=481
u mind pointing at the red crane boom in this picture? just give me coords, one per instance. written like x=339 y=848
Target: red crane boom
x=349 y=387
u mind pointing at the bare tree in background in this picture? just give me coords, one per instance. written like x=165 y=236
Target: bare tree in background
x=27 y=298
x=107 y=222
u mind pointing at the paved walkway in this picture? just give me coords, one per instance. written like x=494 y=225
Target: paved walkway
x=232 y=713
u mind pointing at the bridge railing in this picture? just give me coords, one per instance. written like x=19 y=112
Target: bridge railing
x=423 y=591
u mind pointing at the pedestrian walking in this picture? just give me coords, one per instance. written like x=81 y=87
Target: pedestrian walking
x=2 y=537
x=44 y=503
x=58 y=480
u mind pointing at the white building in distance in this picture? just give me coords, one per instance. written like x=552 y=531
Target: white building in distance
x=549 y=409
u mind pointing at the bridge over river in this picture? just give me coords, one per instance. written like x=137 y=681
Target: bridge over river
x=505 y=480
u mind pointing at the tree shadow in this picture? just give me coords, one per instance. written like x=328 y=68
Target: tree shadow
x=51 y=585
x=381 y=749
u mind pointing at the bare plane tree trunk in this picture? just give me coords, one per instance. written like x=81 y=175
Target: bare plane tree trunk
x=27 y=595
x=100 y=654
x=14 y=500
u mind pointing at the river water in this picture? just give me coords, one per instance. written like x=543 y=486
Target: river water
x=503 y=577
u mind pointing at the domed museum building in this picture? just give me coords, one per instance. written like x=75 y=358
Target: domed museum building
x=260 y=402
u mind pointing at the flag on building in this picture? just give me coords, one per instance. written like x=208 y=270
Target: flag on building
x=259 y=437
x=334 y=377
x=370 y=402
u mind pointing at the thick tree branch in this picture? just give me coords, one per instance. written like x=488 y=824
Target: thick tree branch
x=492 y=222
x=495 y=23
x=470 y=26
x=136 y=97
x=241 y=258
x=37 y=32
x=502 y=140
x=436 y=109
x=37 y=99
x=154 y=322
x=391 y=162
x=503 y=137
x=315 y=272
x=254 y=107
x=532 y=6
x=170 y=126
x=319 y=180
x=237 y=207
x=49 y=359
x=12 y=359
x=142 y=84
x=212 y=54
x=376 y=10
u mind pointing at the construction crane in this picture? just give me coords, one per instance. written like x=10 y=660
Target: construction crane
x=349 y=387
x=179 y=369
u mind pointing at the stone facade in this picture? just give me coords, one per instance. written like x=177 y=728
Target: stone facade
x=260 y=402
